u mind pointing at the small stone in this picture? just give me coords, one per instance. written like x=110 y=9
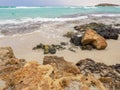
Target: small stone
x=52 y=50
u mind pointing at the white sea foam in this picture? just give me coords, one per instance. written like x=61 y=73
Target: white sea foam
x=105 y=15
x=41 y=20
x=89 y=7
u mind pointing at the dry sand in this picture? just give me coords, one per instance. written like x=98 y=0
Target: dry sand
x=23 y=44
x=52 y=33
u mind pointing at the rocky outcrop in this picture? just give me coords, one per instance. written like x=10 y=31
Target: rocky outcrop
x=107 y=31
x=61 y=65
x=91 y=37
x=56 y=74
x=34 y=76
x=108 y=75
x=8 y=62
x=6 y=53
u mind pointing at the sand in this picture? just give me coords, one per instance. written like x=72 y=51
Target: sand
x=23 y=44
x=52 y=33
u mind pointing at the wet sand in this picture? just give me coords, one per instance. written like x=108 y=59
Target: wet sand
x=52 y=33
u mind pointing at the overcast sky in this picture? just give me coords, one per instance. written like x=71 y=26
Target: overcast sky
x=55 y=2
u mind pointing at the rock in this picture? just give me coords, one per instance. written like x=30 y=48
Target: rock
x=9 y=63
x=86 y=47
x=39 y=46
x=46 y=49
x=69 y=34
x=117 y=24
x=116 y=67
x=33 y=76
x=76 y=40
x=55 y=74
x=106 y=74
x=91 y=37
x=64 y=43
x=71 y=49
x=52 y=50
x=107 y=31
x=6 y=53
x=61 y=64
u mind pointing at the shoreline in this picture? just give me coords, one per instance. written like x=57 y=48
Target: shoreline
x=52 y=33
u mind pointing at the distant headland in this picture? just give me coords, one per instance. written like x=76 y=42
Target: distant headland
x=107 y=4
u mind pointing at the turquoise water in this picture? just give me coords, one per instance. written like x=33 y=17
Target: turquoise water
x=51 y=12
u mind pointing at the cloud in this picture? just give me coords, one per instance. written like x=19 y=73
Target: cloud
x=55 y=2
x=87 y=2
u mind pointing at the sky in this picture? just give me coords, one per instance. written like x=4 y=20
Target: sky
x=55 y=2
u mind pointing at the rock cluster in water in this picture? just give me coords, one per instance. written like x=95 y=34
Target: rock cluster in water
x=56 y=74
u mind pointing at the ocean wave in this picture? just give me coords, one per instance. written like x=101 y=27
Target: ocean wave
x=90 y=7
x=105 y=15
x=23 y=20
x=60 y=19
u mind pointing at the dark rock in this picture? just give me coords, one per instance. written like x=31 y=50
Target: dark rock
x=76 y=40
x=71 y=49
x=118 y=24
x=69 y=34
x=109 y=75
x=39 y=46
x=86 y=47
x=64 y=43
x=116 y=67
x=52 y=50
x=107 y=31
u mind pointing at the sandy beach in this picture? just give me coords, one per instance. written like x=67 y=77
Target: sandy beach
x=52 y=33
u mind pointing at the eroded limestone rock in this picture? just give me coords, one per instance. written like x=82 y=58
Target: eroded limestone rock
x=91 y=37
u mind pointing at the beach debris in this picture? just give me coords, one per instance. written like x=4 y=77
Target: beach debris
x=91 y=37
x=106 y=74
x=107 y=31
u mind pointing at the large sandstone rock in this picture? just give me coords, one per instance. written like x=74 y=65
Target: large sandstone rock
x=34 y=76
x=55 y=74
x=6 y=53
x=61 y=65
x=8 y=62
x=91 y=37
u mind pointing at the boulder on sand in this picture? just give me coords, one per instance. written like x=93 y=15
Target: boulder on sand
x=91 y=37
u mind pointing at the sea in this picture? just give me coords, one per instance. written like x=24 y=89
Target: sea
x=18 y=19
